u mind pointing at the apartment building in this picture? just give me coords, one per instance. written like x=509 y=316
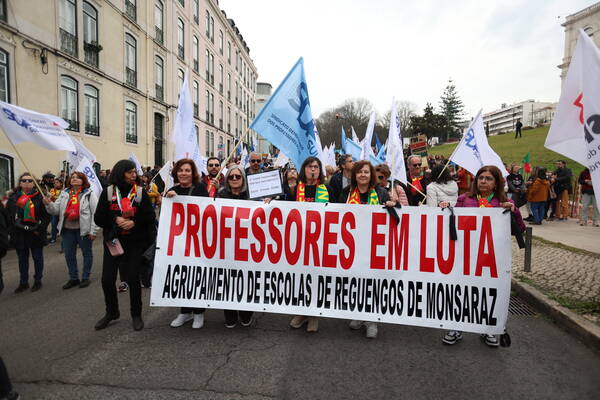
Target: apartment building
x=504 y=119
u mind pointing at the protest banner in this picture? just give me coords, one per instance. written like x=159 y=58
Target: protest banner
x=264 y=184
x=336 y=260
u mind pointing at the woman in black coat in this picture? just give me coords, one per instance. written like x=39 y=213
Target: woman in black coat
x=125 y=214
x=29 y=223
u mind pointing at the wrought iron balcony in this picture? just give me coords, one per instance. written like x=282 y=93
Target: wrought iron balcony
x=221 y=88
x=158 y=35
x=68 y=42
x=73 y=125
x=228 y=128
x=130 y=10
x=196 y=65
x=180 y=51
x=92 y=130
x=91 y=51
x=131 y=138
x=220 y=123
x=130 y=77
x=159 y=92
x=196 y=110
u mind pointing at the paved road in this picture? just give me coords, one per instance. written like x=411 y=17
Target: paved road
x=52 y=351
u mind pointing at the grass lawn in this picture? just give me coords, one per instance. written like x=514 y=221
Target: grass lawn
x=513 y=150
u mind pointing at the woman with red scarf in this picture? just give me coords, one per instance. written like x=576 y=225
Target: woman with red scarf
x=487 y=190
x=75 y=208
x=28 y=231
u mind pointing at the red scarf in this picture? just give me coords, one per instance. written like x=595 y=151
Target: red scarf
x=24 y=202
x=72 y=210
x=416 y=185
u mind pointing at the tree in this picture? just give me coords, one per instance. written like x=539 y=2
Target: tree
x=451 y=108
x=352 y=112
x=430 y=124
x=406 y=109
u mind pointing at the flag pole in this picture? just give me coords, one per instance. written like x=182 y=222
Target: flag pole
x=25 y=165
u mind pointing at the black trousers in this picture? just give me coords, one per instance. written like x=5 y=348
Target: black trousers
x=187 y=310
x=5 y=385
x=232 y=315
x=518 y=133
x=129 y=264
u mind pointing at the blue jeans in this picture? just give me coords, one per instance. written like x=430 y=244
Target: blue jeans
x=538 y=209
x=38 y=262
x=54 y=227
x=70 y=240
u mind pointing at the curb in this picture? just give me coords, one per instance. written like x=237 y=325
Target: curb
x=581 y=328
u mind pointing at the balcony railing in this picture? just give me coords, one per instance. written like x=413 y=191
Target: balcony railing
x=221 y=88
x=220 y=123
x=207 y=116
x=68 y=42
x=228 y=128
x=130 y=77
x=159 y=91
x=92 y=130
x=73 y=125
x=196 y=65
x=180 y=51
x=131 y=138
x=212 y=118
x=158 y=35
x=130 y=10
x=196 y=110
x=91 y=51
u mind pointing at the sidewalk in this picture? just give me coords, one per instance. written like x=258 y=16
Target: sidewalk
x=570 y=233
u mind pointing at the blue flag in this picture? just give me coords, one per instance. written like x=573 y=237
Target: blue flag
x=343 y=139
x=377 y=144
x=238 y=150
x=353 y=148
x=286 y=120
x=381 y=153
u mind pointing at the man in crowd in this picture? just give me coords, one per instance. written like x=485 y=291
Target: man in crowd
x=212 y=182
x=417 y=190
x=562 y=188
x=342 y=178
x=518 y=127
x=47 y=182
x=587 y=198
x=255 y=160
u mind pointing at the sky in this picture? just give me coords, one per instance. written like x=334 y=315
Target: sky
x=495 y=51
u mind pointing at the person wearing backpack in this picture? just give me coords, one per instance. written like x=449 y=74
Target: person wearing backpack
x=125 y=214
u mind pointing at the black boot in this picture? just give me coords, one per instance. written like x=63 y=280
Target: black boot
x=138 y=323
x=104 y=321
x=22 y=287
x=71 y=283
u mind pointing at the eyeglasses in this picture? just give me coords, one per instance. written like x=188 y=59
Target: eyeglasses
x=416 y=165
x=213 y=165
x=485 y=178
x=254 y=161
x=381 y=177
x=234 y=177
x=26 y=180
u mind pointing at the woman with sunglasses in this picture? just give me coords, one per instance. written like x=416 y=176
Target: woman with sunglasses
x=187 y=183
x=235 y=187
x=487 y=190
x=364 y=189
x=397 y=193
x=28 y=232
x=75 y=208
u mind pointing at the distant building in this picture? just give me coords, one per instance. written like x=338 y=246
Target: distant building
x=505 y=118
x=263 y=92
x=587 y=19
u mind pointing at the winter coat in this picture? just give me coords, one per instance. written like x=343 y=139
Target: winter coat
x=438 y=192
x=467 y=201
x=399 y=194
x=563 y=180
x=88 y=201
x=24 y=235
x=538 y=191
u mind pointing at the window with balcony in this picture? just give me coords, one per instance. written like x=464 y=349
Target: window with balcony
x=92 y=119
x=210 y=68
x=130 y=60
x=158 y=21
x=131 y=122
x=196 y=53
x=180 y=39
x=221 y=46
x=67 y=26
x=3 y=16
x=91 y=46
x=196 y=89
x=210 y=144
x=221 y=115
x=197 y=11
x=159 y=74
x=228 y=86
x=212 y=109
x=228 y=52
x=220 y=79
x=180 y=79
x=210 y=27
x=4 y=82
x=69 y=99
x=130 y=9
x=228 y=121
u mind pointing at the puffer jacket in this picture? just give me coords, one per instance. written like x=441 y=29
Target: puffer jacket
x=538 y=191
x=88 y=201
x=437 y=192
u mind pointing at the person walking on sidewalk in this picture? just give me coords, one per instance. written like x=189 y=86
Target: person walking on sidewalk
x=562 y=187
x=75 y=208
x=537 y=196
x=587 y=198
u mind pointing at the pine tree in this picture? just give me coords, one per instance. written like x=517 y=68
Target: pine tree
x=451 y=107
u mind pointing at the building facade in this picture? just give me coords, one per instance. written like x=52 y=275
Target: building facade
x=504 y=119
x=263 y=92
x=113 y=69
x=587 y=19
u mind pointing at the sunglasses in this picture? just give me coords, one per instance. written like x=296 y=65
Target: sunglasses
x=416 y=165
x=381 y=177
x=213 y=165
x=254 y=161
x=26 y=180
x=234 y=177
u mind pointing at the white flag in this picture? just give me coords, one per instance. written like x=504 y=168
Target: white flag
x=23 y=125
x=165 y=174
x=244 y=157
x=367 y=151
x=474 y=151
x=281 y=159
x=395 y=152
x=331 y=155
x=354 y=136
x=138 y=166
x=320 y=152
x=81 y=152
x=199 y=160
x=184 y=131
x=85 y=166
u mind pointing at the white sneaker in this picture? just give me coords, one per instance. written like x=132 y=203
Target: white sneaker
x=354 y=324
x=198 y=321
x=181 y=319
x=371 y=330
x=490 y=340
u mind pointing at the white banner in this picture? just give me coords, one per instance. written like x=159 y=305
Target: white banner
x=336 y=260
x=86 y=167
x=81 y=152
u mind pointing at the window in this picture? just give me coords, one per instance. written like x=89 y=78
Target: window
x=196 y=100
x=159 y=73
x=589 y=31
x=196 y=53
x=229 y=52
x=158 y=139
x=197 y=11
x=130 y=122
x=4 y=81
x=180 y=38
x=207 y=106
x=220 y=147
x=210 y=67
x=91 y=111
x=220 y=79
x=212 y=109
x=228 y=86
x=182 y=2
x=236 y=93
x=68 y=26
x=221 y=114
x=228 y=121
x=210 y=27
x=180 y=78
x=130 y=9
x=3 y=10
x=69 y=101
x=221 y=41
x=90 y=34
x=210 y=144
x=158 y=21
x=130 y=60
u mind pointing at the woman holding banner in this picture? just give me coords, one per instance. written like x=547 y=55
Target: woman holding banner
x=363 y=189
x=235 y=187
x=396 y=191
x=310 y=188
x=187 y=183
x=125 y=214
x=487 y=190
x=75 y=208
x=28 y=231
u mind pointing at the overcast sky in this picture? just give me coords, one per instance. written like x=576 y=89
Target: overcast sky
x=495 y=51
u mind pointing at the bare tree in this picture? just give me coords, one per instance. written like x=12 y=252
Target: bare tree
x=351 y=113
x=405 y=109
